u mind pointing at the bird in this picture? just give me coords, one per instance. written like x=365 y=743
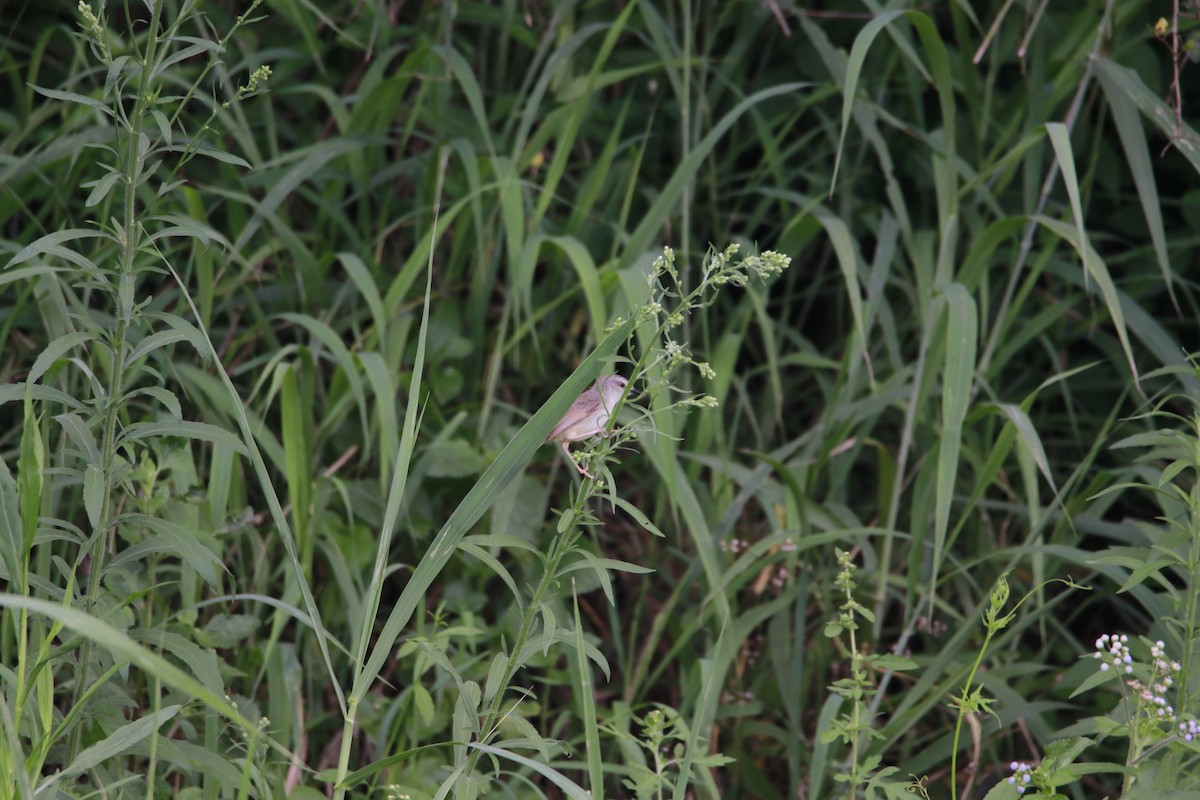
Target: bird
x=588 y=415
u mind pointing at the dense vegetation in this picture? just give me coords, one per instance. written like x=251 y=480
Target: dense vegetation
x=291 y=295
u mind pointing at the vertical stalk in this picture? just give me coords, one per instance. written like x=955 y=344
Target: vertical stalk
x=559 y=547
x=124 y=297
x=348 y=724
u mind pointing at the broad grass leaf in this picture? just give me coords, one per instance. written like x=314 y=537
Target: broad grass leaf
x=685 y=174
x=586 y=692
x=1097 y=270
x=383 y=386
x=579 y=104
x=123 y=647
x=306 y=163
x=362 y=279
x=958 y=375
x=1137 y=159
x=1118 y=79
x=585 y=270
x=341 y=356
x=297 y=431
x=936 y=52
x=1029 y=439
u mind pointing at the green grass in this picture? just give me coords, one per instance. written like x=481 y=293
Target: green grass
x=279 y=350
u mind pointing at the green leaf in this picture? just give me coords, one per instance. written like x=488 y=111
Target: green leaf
x=685 y=174
x=562 y=782
x=639 y=516
x=180 y=331
x=52 y=243
x=30 y=464
x=1097 y=271
x=1097 y=678
x=12 y=548
x=119 y=741
x=54 y=351
x=226 y=630
x=76 y=98
x=423 y=700
x=93 y=494
x=297 y=449
x=101 y=187
x=958 y=375
x=453 y=458
x=202 y=431
x=173 y=538
x=894 y=662
x=361 y=277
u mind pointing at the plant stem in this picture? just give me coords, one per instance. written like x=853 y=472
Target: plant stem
x=130 y=243
x=559 y=547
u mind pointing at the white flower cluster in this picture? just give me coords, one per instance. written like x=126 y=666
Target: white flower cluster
x=1114 y=650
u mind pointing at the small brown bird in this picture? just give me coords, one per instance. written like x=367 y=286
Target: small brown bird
x=588 y=415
